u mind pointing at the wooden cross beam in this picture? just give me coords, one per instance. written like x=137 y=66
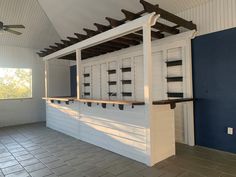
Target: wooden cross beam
x=159 y=26
x=168 y=16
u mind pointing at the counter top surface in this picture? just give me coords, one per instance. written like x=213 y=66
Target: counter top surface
x=121 y=102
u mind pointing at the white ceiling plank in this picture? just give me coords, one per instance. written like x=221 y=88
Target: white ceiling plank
x=39 y=31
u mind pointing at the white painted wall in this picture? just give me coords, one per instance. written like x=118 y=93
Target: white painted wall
x=14 y=112
x=58 y=78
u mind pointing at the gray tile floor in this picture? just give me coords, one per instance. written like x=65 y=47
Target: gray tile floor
x=34 y=150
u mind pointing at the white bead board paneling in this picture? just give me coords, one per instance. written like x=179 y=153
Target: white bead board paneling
x=164 y=142
x=39 y=32
x=83 y=13
x=123 y=132
x=138 y=79
x=63 y=118
x=215 y=15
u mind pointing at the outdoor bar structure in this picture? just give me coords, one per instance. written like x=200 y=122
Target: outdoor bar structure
x=128 y=85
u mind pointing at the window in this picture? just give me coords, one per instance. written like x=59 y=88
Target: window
x=15 y=83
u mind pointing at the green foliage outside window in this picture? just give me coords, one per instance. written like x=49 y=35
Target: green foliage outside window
x=15 y=83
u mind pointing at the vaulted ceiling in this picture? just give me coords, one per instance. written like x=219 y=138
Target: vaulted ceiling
x=70 y=16
x=47 y=21
x=39 y=31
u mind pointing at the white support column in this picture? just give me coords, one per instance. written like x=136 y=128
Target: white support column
x=78 y=71
x=148 y=97
x=188 y=107
x=46 y=78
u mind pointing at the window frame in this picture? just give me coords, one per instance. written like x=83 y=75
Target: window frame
x=31 y=86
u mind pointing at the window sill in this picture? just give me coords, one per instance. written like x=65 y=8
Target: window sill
x=16 y=99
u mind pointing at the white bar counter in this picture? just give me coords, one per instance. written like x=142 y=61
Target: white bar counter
x=125 y=132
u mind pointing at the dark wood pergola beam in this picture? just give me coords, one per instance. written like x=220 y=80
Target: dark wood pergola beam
x=94 y=52
x=104 y=46
x=81 y=37
x=50 y=50
x=159 y=26
x=73 y=39
x=123 y=42
x=110 y=44
x=72 y=56
x=114 y=23
x=103 y=28
x=66 y=42
x=41 y=54
x=54 y=47
x=45 y=52
x=168 y=16
x=60 y=45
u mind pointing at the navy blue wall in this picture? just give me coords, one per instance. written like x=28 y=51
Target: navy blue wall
x=214 y=77
x=73 y=82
